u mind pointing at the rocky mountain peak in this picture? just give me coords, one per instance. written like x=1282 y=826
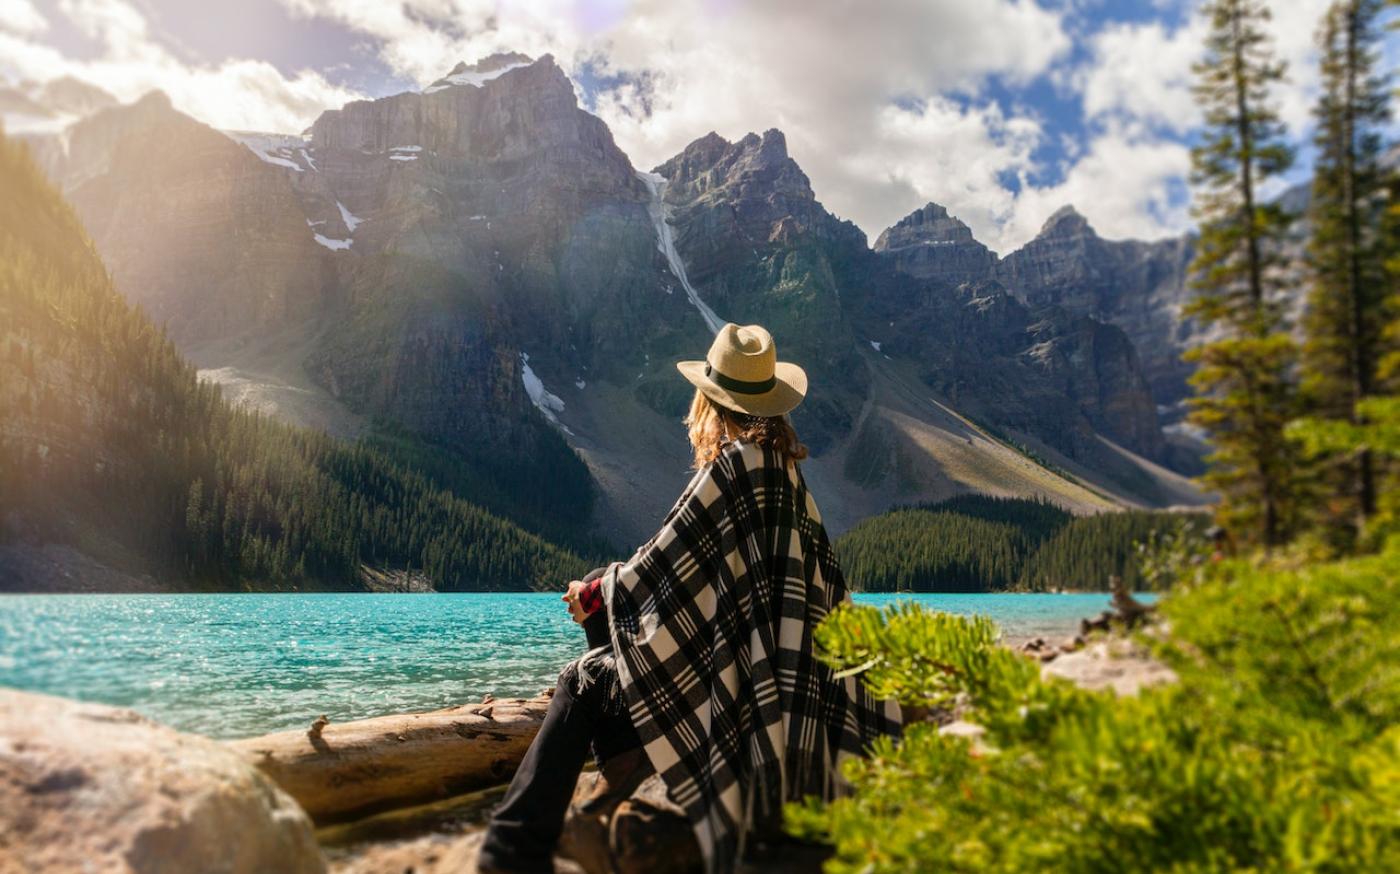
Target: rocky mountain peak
x=34 y=107
x=69 y=95
x=755 y=166
x=702 y=154
x=772 y=145
x=1065 y=222
x=154 y=101
x=932 y=244
x=491 y=63
x=504 y=106
x=485 y=70
x=929 y=213
x=930 y=223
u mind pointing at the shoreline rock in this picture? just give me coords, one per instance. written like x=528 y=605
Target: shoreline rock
x=1116 y=663
x=90 y=788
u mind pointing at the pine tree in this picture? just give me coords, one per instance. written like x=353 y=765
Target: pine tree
x=1346 y=305
x=1244 y=393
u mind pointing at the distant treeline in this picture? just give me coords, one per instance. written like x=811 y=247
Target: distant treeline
x=975 y=543
x=109 y=442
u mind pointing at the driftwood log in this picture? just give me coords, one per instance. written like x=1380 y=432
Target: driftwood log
x=342 y=771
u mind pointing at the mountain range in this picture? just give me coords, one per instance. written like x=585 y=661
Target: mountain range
x=475 y=279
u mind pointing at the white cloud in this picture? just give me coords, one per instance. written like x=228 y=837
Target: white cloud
x=1294 y=30
x=21 y=17
x=1136 y=93
x=1123 y=185
x=117 y=24
x=1143 y=72
x=238 y=93
x=944 y=153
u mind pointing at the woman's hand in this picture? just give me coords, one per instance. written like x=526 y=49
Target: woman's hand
x=571 y=597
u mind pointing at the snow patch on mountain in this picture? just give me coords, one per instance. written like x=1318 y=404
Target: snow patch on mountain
x=280 y=150
x=351 y=220
x=472 y=77
x=279 y=161
x=548 y=403
x=333 y=245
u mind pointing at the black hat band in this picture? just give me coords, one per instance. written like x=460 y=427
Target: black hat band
x=740 y=386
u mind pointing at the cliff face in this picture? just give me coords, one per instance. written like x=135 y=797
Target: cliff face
x=931 y=244
x=490 y=217
x=207 y=238
x=1140 y=287
x=762 y=248
x=1096 y=365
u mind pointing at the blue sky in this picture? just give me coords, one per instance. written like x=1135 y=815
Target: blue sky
x=1002 y=110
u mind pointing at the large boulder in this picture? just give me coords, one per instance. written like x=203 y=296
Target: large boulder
x=90 y=788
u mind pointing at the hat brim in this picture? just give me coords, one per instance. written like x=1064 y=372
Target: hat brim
x=781 y=399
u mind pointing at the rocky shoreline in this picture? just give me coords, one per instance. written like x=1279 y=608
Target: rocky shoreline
x=86 y=787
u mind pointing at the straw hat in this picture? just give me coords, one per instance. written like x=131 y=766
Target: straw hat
x=742 y=372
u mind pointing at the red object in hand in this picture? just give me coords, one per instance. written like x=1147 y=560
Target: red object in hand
x=590 y=597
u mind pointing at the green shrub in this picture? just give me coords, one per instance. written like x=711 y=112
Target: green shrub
x=1277 y=750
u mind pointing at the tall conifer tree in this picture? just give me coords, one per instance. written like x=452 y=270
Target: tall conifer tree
x=1347 y=302
x=1245 y=395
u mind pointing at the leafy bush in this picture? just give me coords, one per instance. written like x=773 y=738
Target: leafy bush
x=1277 y=750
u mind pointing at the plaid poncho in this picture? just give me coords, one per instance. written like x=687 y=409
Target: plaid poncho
x=711 y=623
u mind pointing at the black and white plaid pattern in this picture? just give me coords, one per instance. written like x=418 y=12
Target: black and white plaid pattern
x=712 y=625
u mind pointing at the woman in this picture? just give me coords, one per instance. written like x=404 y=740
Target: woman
x=703 y=651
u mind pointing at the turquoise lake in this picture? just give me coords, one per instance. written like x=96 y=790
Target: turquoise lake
x=233 y=665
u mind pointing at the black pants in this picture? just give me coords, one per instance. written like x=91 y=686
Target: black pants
x=525 y=828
